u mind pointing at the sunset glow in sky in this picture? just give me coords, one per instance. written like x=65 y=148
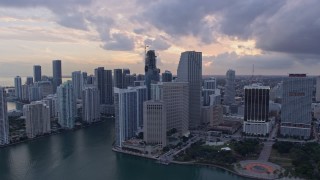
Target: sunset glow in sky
x=278 y=37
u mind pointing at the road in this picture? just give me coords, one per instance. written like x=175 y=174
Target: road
x=168 y=156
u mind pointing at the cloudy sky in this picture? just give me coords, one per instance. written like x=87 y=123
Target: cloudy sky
x=277 y=36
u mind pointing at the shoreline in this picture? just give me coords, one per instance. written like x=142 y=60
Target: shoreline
x=50 y=134
x=189 y=164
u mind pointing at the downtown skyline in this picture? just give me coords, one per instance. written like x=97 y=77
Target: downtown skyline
x=231 y=34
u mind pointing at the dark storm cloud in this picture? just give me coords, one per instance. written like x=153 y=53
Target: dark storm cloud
x=293 y=29
x=269 y=61
x=72 y=14
x=280 y=26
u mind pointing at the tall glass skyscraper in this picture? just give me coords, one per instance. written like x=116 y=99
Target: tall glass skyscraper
x=103 y=80
x=152 y=73
x=4 y=122
x=296 y=106
x=76 y=83
x=37 y=73
x=190 y=70
x=18 y=87
x=57 y=74
x=230 y=91
x=256 y=110
x=118 y=78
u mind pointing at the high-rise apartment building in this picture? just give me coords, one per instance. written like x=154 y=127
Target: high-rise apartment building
x=129 y=80
x=125 y=101
x=256 y=110
x=90 y=104
x=210 y=83
x=109 y=87
x=118 y=78
x=83 y=80
x=29 y=80
x=4 y=122
x=52 y=101
x=18 y=87
x=46 y=88
x=296 y=106
x=25 y=92
x=103 y=80
x=141 y=97
x=35 y=93
x=66 y=105
x=37 y=73
x=190 y=70
x=152 y=73
x=37 y=115
x=230 y=91
x=166 y=76
x=206 y=96
x=125 y=78
x=56 y=74
x=76 y=84
x=154 y=120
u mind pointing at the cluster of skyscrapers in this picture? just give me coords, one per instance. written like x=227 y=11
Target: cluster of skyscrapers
x=155 y=104
x=160 y=104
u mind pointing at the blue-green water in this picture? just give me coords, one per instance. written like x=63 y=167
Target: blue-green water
x=86 y=155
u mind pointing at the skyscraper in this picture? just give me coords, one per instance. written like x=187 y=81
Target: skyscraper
x=256 y=110
x=76 y=84
x=37 y=73
x=35 y=93
x=18 y=87
x=230 y=91
x=318 y=89
x=152 y=73
x=4 y=122
x=57 y=74
x=154 y=120
x=45 y=88
x=29 y=81
x=125 y=78
x=109 y=87
x=175 y=96
x=103 y=80
x=209 y=83
x=37 y=116
x=129 y=80
x=90 y=104
x=67 y=105
x=25 y=92
x=118 y=78
x=296 y=106
x=206 y=93
x=141 y=97
x=190 y=70
x=83 y=80
x=125 y=101
x=167 y=76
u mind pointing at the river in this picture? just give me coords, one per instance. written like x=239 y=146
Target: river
x=86 y=154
